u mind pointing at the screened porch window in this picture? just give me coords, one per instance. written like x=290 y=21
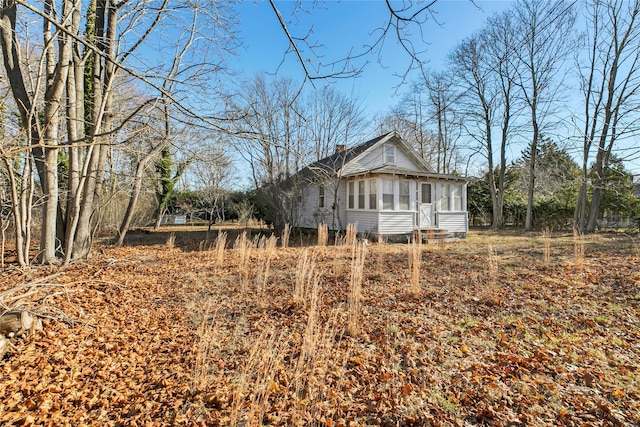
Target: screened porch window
x=444 y=198
x=373 y=193
x=451 y=199
x=456 y=197
x=351 y=197
x=387 y=194
x=404 y=195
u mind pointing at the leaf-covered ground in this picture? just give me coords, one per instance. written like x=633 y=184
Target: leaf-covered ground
x=495 y=334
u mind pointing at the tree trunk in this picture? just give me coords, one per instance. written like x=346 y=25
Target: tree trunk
x=101 y=118
x=135 y=193
x=528 y=222
x=57 y=74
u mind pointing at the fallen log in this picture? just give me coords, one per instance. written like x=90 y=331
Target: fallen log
x=19 y=323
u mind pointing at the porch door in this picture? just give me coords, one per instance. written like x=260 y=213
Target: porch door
x=425 y=209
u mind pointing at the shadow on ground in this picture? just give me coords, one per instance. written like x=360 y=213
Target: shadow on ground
x=199 y=238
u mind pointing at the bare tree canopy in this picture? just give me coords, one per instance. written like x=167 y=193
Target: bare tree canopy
x=610 y=85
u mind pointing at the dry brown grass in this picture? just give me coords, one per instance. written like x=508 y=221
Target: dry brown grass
x=415 y=261
x=171 y=240
x=351 y=234
x=267 y=250
x=323 y=234
x=255 y=382
x=206 y=344
x=358 y=258
x=546 y=240
x=492 y=264
x=243 y=248
x=286 y=234
x=535 y=345
x=578 y=249
x=305 y=277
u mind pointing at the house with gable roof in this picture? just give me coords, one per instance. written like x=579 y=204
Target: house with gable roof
x=385 y=187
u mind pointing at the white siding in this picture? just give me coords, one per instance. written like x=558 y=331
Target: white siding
x=406 y=162
x=367 y=221
x=374 y=159
x=394 y=222
x=453 y=221
x=310 y=214
x=342 y=204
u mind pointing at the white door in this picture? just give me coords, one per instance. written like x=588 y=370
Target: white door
x=425 y=211
x=425 y=216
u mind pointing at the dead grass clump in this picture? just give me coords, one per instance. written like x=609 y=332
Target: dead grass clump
x=319 y=359
x=207 y=341
x=442 y=245
x=171 y=240
x=358 y=257
x=578 y=249
x=546 y=250
x=492 y=262
x=323 y=234
x=286 y=233
x=219 y=246
x=305 y=276
x=243 y=247
x=267 y=248
x=257 y=380
x=351 y=234
x=415 y=261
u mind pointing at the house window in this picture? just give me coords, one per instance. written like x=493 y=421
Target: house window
x=360 y=194
x=389 y=154
x=426 y=193
x=387 y=194
x=321 y=196
x=404 y=195
x=352 y=190
x=444 y=198
x=456 y=197
x=373 y=193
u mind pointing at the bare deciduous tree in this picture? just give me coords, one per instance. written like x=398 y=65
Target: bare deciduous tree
x=483 y=65
x=540 y=47
x=442 y=99
x=66 y=104
x=610 y=83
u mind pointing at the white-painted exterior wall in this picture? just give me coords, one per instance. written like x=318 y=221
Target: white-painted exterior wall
x=375 y=159
x=396 y=222
x=453 y=221
x=311 y=214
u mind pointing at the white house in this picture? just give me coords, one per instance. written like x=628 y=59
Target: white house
x=385 y=187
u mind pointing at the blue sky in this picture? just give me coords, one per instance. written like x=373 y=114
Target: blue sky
x=339 y=27
x=342 y=26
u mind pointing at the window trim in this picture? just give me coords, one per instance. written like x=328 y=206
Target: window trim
x=373 y=197
x=389 y=158
x=361 y=195
x=445 y=195
x=392 y=194
x=402 y=195
x=422 y=192
x=455 y=198
x=351 y=194
x=321 y=196
x=450 y=198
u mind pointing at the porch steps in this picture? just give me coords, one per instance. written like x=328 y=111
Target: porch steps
x=437 y=236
